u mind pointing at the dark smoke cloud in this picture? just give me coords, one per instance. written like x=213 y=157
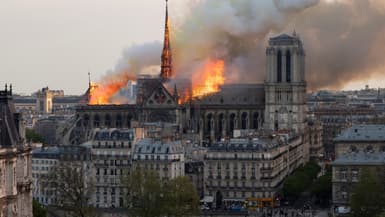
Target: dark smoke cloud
x=233 y=30
x=344 y=41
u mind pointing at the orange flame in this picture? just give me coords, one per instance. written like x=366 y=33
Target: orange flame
x=101 y=94
x=208 y=78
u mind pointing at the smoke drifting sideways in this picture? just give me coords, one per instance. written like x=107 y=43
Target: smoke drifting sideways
x=343 y=39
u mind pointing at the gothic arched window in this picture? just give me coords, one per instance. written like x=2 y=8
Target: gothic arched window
x=107 y=120
x=86 y=119
x=220 y=122
x=96 y=121
x=118 y=121
x=232 y=123
x=129 y=117
x=255 y=120
x=279 y=66
x=208 y=122
x=244 y=121
x=288 y=66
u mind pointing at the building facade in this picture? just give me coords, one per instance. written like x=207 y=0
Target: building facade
x=360 y=138
x=347 y=169
x=166 y=158
x=252 y=167
x=44 y=161
x=358 y=147
x=15 y=162
x=111 y=158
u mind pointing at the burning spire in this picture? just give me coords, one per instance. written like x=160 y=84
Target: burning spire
x=166 y=67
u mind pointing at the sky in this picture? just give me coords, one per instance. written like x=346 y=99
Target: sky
x=55 y=43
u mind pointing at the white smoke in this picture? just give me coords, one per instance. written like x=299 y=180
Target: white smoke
x=137 y=58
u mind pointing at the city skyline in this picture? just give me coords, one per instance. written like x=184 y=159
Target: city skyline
x=45 y=45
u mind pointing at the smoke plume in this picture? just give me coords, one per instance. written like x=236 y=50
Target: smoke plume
x=343 y=39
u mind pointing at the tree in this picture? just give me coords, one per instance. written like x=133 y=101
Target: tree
x=145 y=196
x=368 y=195
x=149 y=197
x=31 y=135
x=73 y=188
x=181 y=198
x=38 y=209
x=300 y=180
x=322 y=188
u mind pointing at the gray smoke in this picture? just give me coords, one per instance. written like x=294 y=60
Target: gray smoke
x=343 y=39
x=233 y=30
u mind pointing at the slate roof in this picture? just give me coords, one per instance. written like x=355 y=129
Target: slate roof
x=151 y=146
x=363 y=132
x=236 y=94
x=9 y=133
x=360 y=158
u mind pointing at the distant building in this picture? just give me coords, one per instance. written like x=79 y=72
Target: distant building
x=347 y=169
x=252 y=167
x=47 y=160
x=166 y=158
x=315 y=139
x=111 y=154
x=15 y=161
x=360 y=146
x=44 y=101
x=195 y=172
x=360 y=138
x=44 y=160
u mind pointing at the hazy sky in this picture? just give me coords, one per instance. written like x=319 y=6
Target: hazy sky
x=55 y=43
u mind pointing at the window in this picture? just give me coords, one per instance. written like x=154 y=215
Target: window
x=354 y=175
x=343 y=173
x=279 y=66
x=288 y=66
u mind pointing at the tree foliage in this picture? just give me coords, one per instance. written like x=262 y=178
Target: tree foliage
x=38 y=209
x=181 y=197
x=72 y=187
x=149 y=197
x=145 y=194
x=368 y=195
x=31 y=135
x=322 y=188
x=300 y=180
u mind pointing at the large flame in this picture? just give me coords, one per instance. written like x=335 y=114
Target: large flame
x=102 y=93
x=208 y=78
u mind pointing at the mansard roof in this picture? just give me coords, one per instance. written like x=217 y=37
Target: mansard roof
x=9 y=134
x=152 y=146
x=363 y=132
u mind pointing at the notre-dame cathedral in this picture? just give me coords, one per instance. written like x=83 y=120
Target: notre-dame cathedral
x=278 y=103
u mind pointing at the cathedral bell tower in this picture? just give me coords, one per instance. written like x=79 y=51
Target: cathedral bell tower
x=166 y=71
x=285 y=85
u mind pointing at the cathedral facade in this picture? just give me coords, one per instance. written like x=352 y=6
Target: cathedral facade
x=279 y=103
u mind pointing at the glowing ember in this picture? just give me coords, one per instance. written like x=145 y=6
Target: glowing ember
x=101 y=94
x=208 y=78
